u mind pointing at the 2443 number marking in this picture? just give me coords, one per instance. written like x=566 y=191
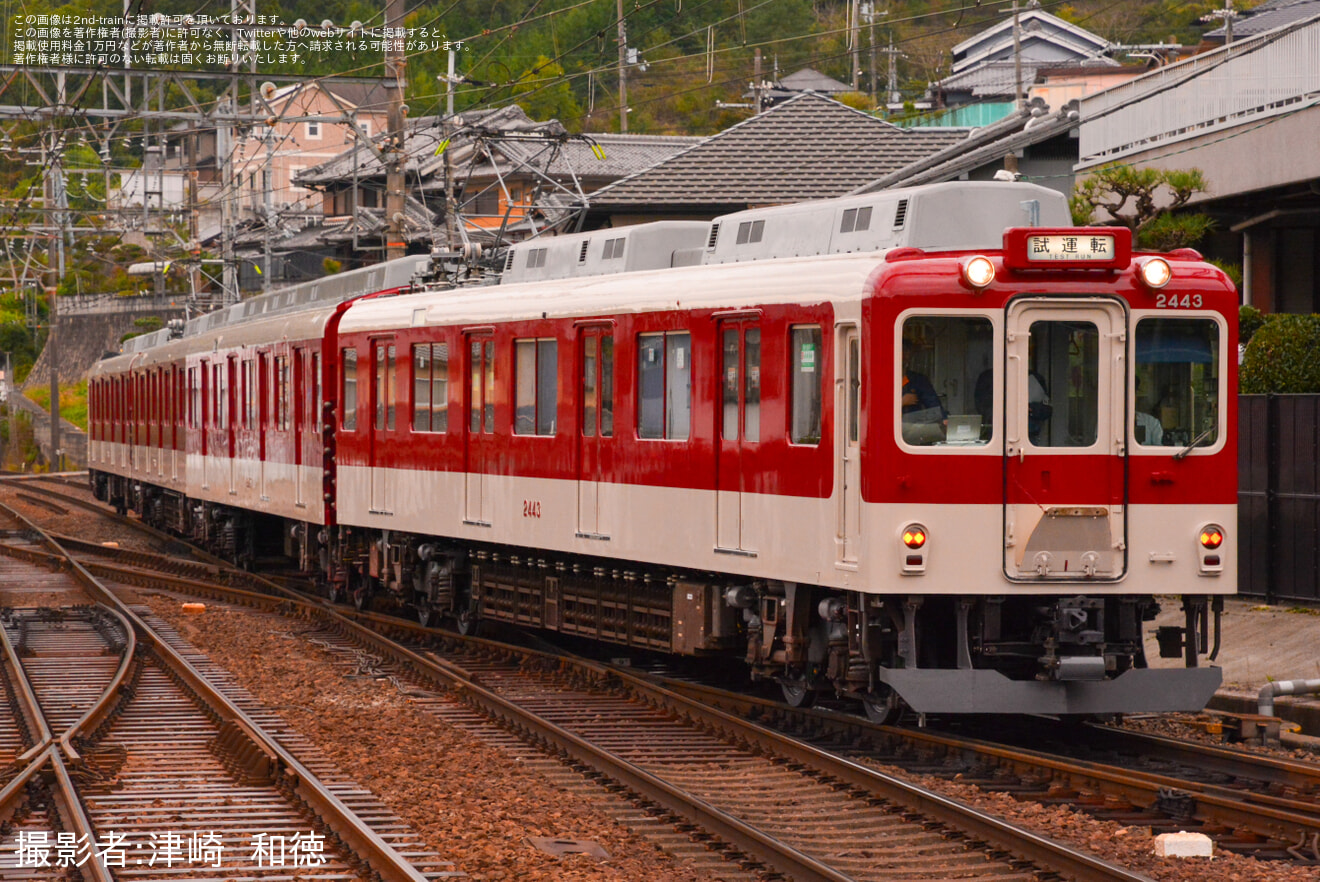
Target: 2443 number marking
x=531 y=508
x=1173 y=301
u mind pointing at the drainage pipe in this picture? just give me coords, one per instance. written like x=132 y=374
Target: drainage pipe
x=1265 y=700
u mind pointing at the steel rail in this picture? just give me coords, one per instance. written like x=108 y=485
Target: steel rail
x=66 y=796
x=774 y=853
x=27 y=701
x=1269 y=815
x=1013 y=839
x=1265 y=814
x=269 y=753
x=103 y=706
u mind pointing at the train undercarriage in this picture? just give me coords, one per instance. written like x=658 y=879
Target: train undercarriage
x=1071 y=654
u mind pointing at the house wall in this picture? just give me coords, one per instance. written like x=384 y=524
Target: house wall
x=298 y=145
x=1057 y=91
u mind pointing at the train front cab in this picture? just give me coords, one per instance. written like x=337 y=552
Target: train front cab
x=1052 y=452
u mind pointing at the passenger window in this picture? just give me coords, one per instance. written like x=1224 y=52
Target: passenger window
x=431 y=387
x=385 y=387
x=805 y=385
x=349 y=362
x=1176 y=401
x=481 y=377
x=946 y=381
x=536 y=396
x=664 y=385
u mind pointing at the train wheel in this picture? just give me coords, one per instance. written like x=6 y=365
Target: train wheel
x=796 y=691
x=334 y=592
x=360 y=593
x=882 y=706
x=465 y=620
x=425 y=613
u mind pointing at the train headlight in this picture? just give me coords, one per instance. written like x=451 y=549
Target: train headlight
x=1212 y=537
x=912 y=549
x=979 y=272
x=1155 y=272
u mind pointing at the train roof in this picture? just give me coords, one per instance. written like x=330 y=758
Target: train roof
x=835 y=278
x=953 y=216
x=314 y=295
x=303 y=324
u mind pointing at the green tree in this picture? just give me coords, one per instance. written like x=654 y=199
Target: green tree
x=1145 y=201
x=543 y=92
x=1281 y=356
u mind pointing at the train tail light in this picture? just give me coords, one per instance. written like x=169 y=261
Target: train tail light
x=913 y=540
x=914 y=536
x=1155 y=272
x=1211 y=538
x=979 y=272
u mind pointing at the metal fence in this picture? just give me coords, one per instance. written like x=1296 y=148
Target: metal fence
x=96 y=304
x=1279 y=497
x=1244 y=82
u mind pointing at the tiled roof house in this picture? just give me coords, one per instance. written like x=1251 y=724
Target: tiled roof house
x=809 y=147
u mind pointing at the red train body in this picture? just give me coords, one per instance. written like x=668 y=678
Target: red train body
x=952 y=477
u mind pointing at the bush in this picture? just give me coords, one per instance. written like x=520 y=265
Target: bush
x=1249 y=321
x=1281 y=356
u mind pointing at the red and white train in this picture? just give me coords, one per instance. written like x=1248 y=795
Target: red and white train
x=930 y=447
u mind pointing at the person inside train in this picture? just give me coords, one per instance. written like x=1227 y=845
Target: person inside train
x=1039 y=409
x=1146 y=427
x=923 y=412
x=918 y=392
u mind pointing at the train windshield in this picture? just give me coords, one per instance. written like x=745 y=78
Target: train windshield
x=1176 y=384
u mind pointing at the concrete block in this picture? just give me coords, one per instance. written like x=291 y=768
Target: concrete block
x=1183 y=844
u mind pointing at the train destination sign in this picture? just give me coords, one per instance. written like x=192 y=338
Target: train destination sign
x=1067 y=248
x=1056 y=248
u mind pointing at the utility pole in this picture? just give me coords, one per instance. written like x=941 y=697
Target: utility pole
x=891 y=83
x=395 y=63
x=1228 y=13
x=1017 y=57
x=870 y=42
x=266 y=206
x=451 y=206
x=55 y=194
x=756 y=82
x=623 y=71
x=869 y=10
x=854 y=38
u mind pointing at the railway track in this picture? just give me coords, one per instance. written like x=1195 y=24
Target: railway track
x=665 y=750
x=1250 y=804
x=137 y=765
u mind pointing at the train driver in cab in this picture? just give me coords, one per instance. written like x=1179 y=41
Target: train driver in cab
x=923 y=412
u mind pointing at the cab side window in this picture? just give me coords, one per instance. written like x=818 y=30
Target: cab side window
x=947 y=381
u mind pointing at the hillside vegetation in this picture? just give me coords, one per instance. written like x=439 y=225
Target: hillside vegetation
x=559 y=57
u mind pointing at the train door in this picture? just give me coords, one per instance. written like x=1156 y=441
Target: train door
x=596 y=437
x=300 y=415
x=204 y=419
x=739 y=430
x=228 y=410
x=383 y=406
x=177 y=432
x=847 y=409
x=264 y=412
x=1065 y=450
x=481 y=428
